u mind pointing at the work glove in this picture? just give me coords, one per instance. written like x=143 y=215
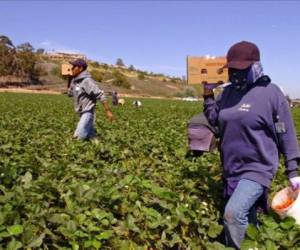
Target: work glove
x=295 y=183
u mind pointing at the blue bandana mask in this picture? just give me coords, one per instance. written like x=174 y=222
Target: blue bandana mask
x=255 y=72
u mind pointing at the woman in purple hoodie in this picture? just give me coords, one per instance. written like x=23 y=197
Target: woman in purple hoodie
x=255 y=127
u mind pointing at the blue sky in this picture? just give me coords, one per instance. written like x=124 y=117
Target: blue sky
x=158 y=35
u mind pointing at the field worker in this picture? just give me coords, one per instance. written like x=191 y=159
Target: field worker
x=255 y=126
x=121 y=101
x=115 y=98
x=201 y=136
x=137 y=104
x=86 y=92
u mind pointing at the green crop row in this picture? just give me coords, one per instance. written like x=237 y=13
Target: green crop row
x=132 y=190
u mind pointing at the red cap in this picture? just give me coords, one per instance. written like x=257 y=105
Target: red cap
x=241 y=55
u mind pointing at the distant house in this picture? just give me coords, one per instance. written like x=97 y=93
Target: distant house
x=65 y=55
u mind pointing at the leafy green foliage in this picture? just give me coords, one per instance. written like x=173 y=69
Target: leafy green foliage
x=120 y=62
x=56 y=71
x=141 y=76
x=97 y=75
x=95 y=64
x=131 y=68
x=18 y=61
x=120 y=80
x=132 y=190
x=273 y=234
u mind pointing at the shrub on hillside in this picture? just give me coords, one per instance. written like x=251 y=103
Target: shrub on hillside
x=120 y=62
x=179 y=94
x=97 y=75
x=131 y=68
x=56 y=71
x=40 y=51
x=187 y=92
x=141 y=76
x=95 y=64
x=120 y=80
x=40 y=71
x=104 y=66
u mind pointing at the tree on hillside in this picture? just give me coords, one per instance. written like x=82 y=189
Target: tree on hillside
x=95 y=64
x=131 y=68
x=120 y=62
x=40 y=51
x=26 y=60
x=18 y=61
x=5 y=41
x=25 y=47
x=8 y=56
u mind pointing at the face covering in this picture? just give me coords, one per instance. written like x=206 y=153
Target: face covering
x=255 y=72
x=242 y=78
x=238 y=78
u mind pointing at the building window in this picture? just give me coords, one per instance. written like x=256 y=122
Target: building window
x=203 y=71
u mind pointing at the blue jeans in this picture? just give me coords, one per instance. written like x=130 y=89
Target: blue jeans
x=240 y=211
x=85 y=127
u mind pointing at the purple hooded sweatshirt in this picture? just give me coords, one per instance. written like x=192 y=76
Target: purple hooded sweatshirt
x=255 y=126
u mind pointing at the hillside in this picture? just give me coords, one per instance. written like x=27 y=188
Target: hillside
x=24 y=67
x=126 y=81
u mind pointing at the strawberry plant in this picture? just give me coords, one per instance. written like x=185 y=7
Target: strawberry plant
x=132 y=190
